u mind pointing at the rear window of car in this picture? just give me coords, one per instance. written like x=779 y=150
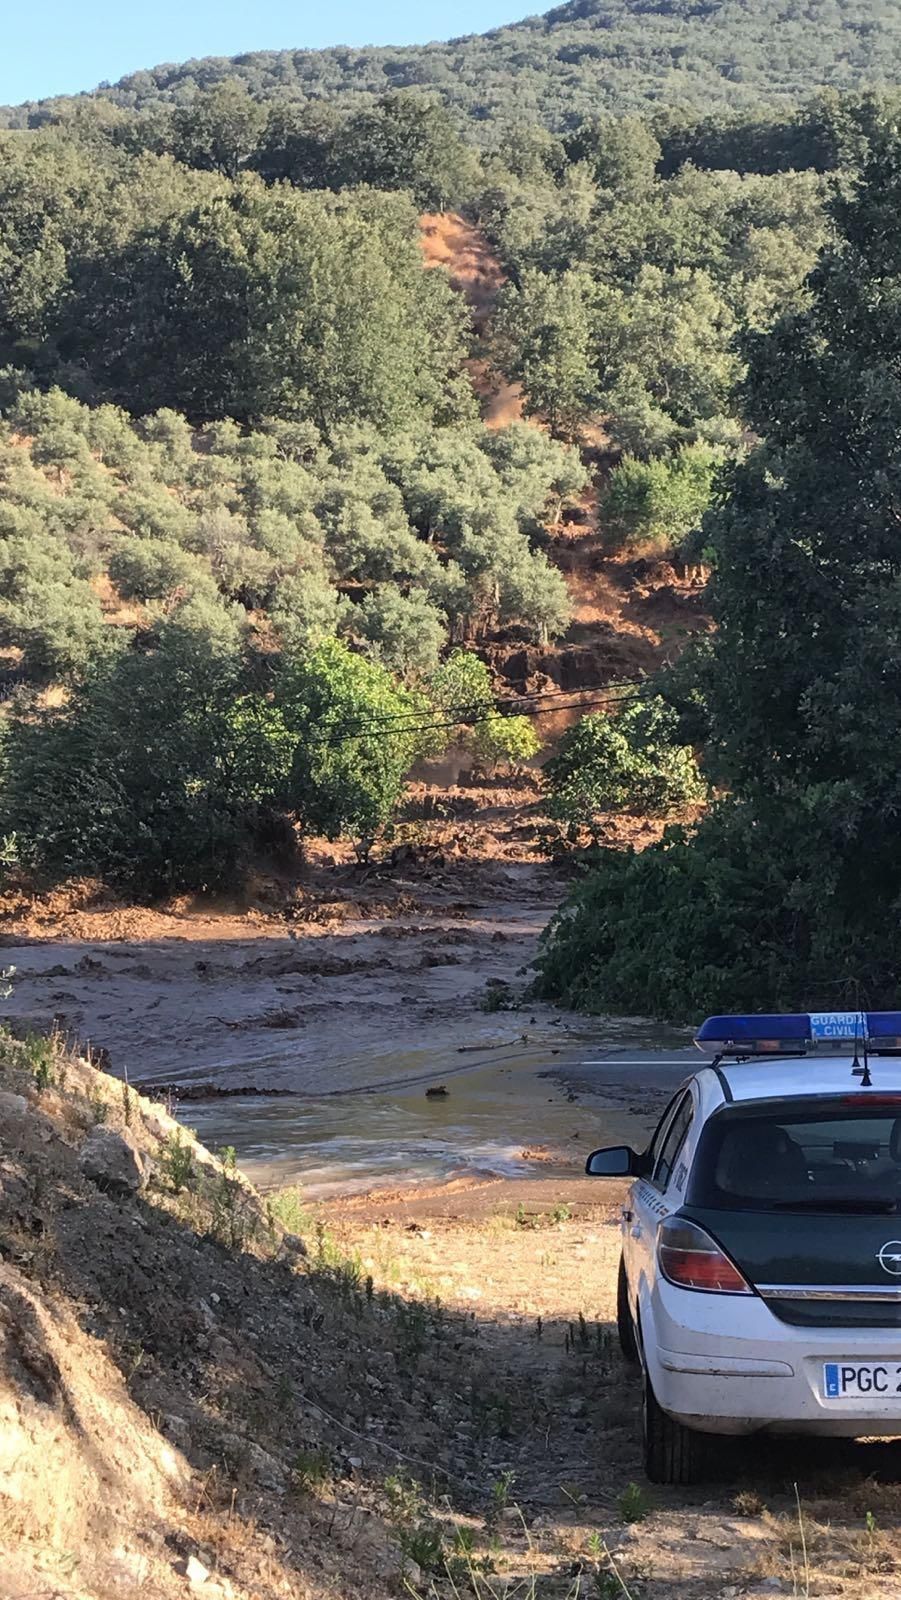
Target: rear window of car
x=804 y=1155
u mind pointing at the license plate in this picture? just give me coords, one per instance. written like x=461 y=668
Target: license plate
x=859 y=1380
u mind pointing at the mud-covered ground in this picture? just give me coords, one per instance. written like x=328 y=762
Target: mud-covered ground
x=318 y=981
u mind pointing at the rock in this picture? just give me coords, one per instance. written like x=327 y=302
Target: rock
x=242 y=1455
x=194 y=1570
x=293 y=1247
x=12 y=1106
x=176 y=1431
x=113 y=1161
x=768 y=1586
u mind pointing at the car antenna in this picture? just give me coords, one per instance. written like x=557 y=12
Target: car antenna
x=858 y=1071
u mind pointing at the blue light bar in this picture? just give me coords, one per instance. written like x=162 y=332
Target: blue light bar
x=825 y=1032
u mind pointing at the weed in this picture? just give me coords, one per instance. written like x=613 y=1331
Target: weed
x=498 y=1501
x=633 y=1503
x=232 y=1221
x=99 y=1109
x=228 y=1155
x=133 y=1358
x=493 y=1414
x=178 y=1162
x=423 y=1543
x=414 y=1327
x=311 y=1470
x=804 y=1557
x=464 y=1541
x=748 y=1504
x=542 y=1219
x=404 y=1496
x=289 y=1212
x=608 y=1581
x=40 y=1055
x=126 y=1103
x=344 y=1271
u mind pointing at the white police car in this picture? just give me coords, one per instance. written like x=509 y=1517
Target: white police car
x=760 y=1278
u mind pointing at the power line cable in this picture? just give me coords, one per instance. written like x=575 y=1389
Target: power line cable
x=476 y=711
x=342 y=735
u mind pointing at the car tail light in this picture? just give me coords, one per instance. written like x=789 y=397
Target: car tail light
x=690 y=1259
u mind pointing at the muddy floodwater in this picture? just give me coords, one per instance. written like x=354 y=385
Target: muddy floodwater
x=535 y=1107
x=311 y=1049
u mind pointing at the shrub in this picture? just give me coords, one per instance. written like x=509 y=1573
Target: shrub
x=658 y=502
x=499 y=741
x=624 y=762
x=356 y=740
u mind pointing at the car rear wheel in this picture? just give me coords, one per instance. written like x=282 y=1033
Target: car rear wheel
x=672 y=1453
x=625 y=1325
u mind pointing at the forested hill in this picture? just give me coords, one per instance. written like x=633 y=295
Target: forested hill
x=578 y=59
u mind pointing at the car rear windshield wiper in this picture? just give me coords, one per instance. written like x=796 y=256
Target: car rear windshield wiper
x=825 y=1202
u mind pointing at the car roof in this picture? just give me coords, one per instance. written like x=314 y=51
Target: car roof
x=792 y=1078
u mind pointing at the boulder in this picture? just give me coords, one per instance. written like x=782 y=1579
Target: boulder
x=113 y=1161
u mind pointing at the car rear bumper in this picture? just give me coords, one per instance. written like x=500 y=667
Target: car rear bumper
x=726 y=1364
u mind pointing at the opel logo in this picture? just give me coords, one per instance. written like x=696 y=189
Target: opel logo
x=889 y=1257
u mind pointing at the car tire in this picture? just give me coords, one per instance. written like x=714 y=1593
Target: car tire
x=672 y=1453
x=625 y=1324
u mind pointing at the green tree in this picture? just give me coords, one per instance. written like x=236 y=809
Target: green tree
x=272 y=303
x=626 y=761
x=155 y=569
x=404 y=632
x=790 y=887
x=621 y=151
x=298 y=145
x=356 y=738
x=177 y=764
x=48 y=610
x=461 y=687
x=407 y=141
x=498 y=740
x=659 y=502
x=220 y=130
x=544 y=338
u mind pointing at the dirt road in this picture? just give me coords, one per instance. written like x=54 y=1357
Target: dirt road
x=536 y=1272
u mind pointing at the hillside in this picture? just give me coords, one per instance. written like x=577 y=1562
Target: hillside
x=578 y=59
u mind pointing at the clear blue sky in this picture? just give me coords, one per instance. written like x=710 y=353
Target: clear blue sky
x=61 y=46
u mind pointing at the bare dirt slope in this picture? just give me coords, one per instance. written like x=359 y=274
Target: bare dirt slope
x=461 y=249
x=629 y=613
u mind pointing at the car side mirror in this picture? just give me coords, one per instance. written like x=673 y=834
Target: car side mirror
x=619 y=1161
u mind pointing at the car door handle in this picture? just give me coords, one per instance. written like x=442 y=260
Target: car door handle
x=636 y=1230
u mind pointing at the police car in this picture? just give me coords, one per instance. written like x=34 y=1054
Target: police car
x=760 y=1278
